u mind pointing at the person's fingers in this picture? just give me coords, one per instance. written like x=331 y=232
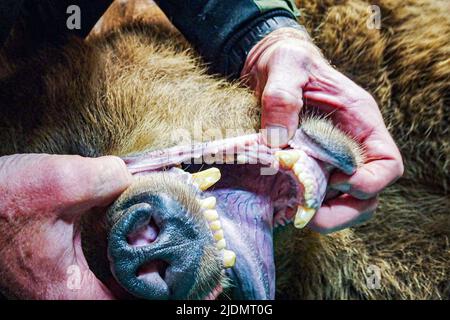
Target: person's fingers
x=383 y=166
x=358 y=114
x=279 y=118
x=84 y=183
x=342 y=212
x=43 y=183
x=369 y=180
x=281 y=100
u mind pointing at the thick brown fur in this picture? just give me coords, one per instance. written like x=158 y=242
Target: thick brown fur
x=406 y=68
x=134 y=89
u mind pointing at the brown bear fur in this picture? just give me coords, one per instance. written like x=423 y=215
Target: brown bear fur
x=405 y=65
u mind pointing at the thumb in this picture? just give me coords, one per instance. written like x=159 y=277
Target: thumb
x=45 y=184
x=93 y=182
x=368 y=180
x=282 y=100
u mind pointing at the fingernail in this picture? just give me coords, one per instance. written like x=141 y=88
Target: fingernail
x=125 y=175
x=362 y=218
x=113 y=176
x=342 y=187
x=276 y=136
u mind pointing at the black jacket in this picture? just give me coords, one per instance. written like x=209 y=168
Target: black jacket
x=223 y=31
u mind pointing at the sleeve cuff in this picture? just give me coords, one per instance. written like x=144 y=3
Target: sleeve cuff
x=236 y=49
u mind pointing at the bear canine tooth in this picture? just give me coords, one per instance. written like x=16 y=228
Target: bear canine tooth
x=211 y=215
x=298 y=168
x=229 y=258
x=207 y=178
x=303 y=216
x=287 y=158
x=208 y=203
x=221 y=244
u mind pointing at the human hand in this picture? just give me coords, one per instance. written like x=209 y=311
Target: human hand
x=286 y=69
x=42 y=198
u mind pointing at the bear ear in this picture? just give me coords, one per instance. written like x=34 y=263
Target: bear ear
x=331 y=145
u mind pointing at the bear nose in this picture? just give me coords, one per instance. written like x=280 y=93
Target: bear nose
x=155 y=250
x=147 y=233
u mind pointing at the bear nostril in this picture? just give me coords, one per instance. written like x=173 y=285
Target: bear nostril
x=144 y=235
x=150 y=280
x=157 y=251
x=151 y=268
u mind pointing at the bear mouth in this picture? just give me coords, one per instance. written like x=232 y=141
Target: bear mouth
x=303 y=167
x=255 y=188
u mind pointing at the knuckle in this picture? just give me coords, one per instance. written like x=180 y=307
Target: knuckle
x=65 y=176
x=274 y=97
x=60 y=171
x=369 y=97
x=322 y=225
x=400 y=168
x=302 y=53
x=364 y=190
x=360 y=96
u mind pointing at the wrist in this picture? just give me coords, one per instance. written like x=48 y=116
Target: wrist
x=235 y=52
x=280 y=38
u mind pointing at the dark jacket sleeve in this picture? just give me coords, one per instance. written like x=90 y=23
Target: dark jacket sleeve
x=47 y=19
x=224 y=31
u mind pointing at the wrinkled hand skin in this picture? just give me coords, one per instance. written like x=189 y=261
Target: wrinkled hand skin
x=42 y=198
x=287 y=70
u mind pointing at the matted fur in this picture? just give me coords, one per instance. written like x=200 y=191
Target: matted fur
x=406 y=66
